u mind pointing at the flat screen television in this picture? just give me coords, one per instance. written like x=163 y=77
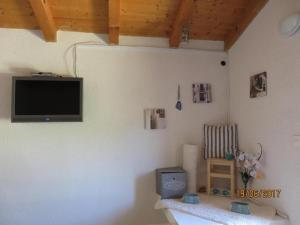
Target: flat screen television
x=46 y=99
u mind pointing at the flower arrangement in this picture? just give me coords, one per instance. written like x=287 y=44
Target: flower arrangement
x=249 y=166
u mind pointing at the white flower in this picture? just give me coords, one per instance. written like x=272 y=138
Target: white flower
x=242 y=157
x=247 y=164
x=257 y=165
x=253 y=173
x=247 y=155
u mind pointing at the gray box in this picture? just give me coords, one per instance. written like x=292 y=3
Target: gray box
x=171 y=182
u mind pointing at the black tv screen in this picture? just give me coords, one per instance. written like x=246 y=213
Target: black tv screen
x=46 y=99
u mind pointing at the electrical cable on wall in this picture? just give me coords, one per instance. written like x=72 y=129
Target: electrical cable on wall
x=74 y=60
x=74 y=53
x=74 y=46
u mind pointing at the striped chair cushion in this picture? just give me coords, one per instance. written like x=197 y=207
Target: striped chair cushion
x=220 y=139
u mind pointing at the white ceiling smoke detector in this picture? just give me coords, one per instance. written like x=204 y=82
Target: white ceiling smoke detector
x=290 y=25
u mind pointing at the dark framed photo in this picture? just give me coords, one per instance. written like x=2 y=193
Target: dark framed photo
x=201 y=93
x=258 y=85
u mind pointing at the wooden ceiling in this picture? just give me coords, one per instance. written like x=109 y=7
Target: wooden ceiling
x=222 y=20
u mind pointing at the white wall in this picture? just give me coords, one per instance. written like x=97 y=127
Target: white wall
x=99 y=171
x=274 y=119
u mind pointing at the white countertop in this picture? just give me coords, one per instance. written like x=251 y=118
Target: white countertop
x=176 y=217
x=179 y=213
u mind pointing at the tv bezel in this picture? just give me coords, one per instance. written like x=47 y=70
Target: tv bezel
x=46 y=118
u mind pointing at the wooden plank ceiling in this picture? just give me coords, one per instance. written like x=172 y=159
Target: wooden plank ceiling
x=221 y=20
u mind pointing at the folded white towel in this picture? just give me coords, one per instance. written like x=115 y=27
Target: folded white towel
x=217 y=209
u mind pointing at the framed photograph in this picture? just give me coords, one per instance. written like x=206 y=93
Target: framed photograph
x=258 y=85
x=155 y=118
x=201 y=93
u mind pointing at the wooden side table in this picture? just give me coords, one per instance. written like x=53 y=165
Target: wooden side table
x=213 y=173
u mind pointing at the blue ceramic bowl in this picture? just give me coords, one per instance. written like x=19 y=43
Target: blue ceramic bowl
x=240 y=207
x=191 y=198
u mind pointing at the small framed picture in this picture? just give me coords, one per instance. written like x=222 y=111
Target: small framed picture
x=201 y=93
x=258 y=85
x=155 y=118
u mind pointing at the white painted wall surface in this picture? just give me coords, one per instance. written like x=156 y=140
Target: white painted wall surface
x=99 y=172
x=274 y=119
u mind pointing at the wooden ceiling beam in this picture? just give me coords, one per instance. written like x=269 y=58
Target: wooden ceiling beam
x=45 y=19
x=252 y=10
x=182 y=18
x=113 y=21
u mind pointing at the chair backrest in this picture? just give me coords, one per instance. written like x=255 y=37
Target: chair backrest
x=219 y=139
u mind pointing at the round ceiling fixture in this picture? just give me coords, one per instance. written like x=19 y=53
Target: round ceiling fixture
x=290 y=25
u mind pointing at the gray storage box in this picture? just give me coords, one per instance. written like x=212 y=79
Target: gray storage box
x=171 y=182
